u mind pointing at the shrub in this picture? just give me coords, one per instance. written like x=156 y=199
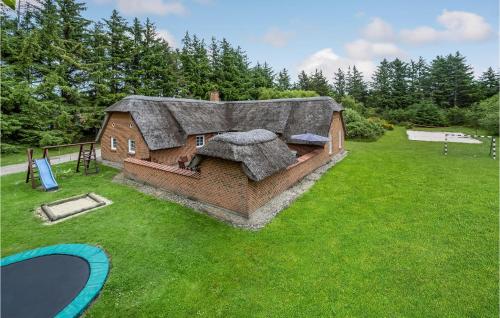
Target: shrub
x=456 y=116
x=53 y=137
x=426 y=113
x=8 y=148
x=358 y=127
x=488 y=115
x=350 y=103
x=382 y=122
x=271 y=93
x=396 y=116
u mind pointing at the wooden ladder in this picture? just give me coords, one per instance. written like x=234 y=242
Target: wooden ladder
x=87 y=158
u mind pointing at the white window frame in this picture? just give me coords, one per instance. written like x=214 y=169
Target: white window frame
x=114 y=143
x=202 y=141
x=330 y=144
x=130 y=150
x=340 y=139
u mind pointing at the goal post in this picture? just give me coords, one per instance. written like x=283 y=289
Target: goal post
x=493 y=143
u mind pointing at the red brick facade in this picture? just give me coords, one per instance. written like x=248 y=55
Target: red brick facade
x=172 y=155
x=122 y=127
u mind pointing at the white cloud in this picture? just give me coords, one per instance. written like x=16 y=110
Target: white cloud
x=158 y=7
x=465 y=26
x=378 y=30
x=167 y=36
x=277 y=37
x=365 y=50
x=457 y=26
x=328 y=62
x=420 y=35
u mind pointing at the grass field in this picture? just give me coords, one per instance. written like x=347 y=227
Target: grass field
x=394 y=230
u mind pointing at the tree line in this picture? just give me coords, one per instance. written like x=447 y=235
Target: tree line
x=60 y=70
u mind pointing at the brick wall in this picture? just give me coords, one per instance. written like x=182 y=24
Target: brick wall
x=122 y=132
x=219 y=182
x=172 y=155
x=222 y=182
x=265 y=190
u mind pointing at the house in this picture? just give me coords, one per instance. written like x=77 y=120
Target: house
x=234 y=155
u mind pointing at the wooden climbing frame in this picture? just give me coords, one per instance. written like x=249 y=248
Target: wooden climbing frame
x=87 y=159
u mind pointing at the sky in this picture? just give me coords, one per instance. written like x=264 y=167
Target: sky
x=326 y=35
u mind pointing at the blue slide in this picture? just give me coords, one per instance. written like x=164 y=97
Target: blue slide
x=46 y=175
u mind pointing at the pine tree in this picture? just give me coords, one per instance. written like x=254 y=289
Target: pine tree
x=381 y=96
x=97 y=88
x=119 y=51
x=488 y=83
x=283 y=81
x=319 y=83
x=339 y=84
x=452 y=81
x=418 y=82
x=356 y=86
x=399 y=84
x=303 y=82
x=195 y=67
x=262 y=76
x=72 y=28
x=135 y=72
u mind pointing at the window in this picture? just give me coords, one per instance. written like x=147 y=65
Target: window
x=340 y=139
x=330 y=144
x=131 y=146
x=114 y=143
x=200 y=141
x=113 y=124
x=131 y=125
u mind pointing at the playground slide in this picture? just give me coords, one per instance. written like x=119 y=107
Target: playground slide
x=46 y=175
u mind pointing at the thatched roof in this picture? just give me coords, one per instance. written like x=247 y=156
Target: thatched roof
x=166 y=118
x=260 y=152
x=156 y=123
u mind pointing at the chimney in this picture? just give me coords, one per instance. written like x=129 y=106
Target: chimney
x=214 y=96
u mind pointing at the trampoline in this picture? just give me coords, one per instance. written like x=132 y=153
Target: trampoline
x=53 y=281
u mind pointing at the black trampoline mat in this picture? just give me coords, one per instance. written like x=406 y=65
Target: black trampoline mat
x=41 y=286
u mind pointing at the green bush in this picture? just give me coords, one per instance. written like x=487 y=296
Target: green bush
x=358 y=127
x=488 y=115
x=8 y=148
x=271 y=93
x=397 y=116
x=350 y=103
x=456 y=116
x=382 y=122
x=53 y=137
x=426 y=113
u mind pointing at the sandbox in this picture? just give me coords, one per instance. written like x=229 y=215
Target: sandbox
x=71 y=206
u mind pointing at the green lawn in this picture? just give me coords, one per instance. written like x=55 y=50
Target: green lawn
x=13 y=158
x=395 y=230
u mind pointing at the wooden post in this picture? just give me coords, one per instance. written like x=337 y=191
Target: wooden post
x=46 y=154
x=31 y=173
x=79 y=158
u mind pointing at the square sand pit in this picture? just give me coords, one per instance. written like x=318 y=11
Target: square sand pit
x=72 y=206
x=441 y=136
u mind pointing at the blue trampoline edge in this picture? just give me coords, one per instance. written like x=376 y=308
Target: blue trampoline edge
x=99 y=268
